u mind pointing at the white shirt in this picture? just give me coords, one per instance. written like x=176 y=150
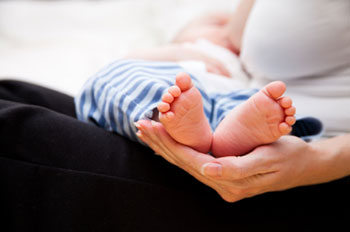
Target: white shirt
x=306 y=44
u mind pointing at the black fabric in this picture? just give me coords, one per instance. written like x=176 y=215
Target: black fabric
x=36 y=95
x=307 y=128
x=59 y=174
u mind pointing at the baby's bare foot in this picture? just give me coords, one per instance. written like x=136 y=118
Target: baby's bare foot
x=262 y=119
x=182 y=115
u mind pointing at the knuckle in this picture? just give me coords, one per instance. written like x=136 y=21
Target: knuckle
x=229 y=198
x=238 y=191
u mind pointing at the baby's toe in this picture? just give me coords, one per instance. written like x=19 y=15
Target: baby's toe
x=285 y=128
x=163 y=107
x=167 y=117
x=167 y=98
x=183 y=80
x=175 y=91
x=275 y=89
x=290 y=111
x=285 y=102
x=290 y=120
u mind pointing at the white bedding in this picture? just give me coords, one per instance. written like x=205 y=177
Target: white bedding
x=59 y=44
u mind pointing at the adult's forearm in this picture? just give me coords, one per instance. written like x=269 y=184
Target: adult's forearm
x=180 y=52
x=238 y=21
x=339 y=150
x=332 y=158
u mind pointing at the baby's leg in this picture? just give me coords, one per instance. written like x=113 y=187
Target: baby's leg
x=182 y=115
x=262 y=119
x=125 y=92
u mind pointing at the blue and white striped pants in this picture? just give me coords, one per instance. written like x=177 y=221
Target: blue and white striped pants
x=129 y=90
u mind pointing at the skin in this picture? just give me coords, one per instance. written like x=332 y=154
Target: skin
x=236 y=24
x=210 y=26
x=179 y=52
x=262 y=119
x=284 y=164
x=224 y=29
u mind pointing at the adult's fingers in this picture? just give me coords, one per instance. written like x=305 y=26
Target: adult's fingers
x=240 y=167
x=147 y=134
x=236 y=190
x=157 y=135
x=237 y=180
x=184 y=157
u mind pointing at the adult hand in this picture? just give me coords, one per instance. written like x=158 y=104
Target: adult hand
x=212 y=26
x=287 y=163
x=190 y=160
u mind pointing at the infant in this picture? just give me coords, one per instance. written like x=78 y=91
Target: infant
x=150 y=86
x=262 y=119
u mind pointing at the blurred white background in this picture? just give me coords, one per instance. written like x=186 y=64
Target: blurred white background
x=59 y=44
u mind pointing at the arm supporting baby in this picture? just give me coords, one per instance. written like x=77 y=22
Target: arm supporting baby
x=223 y=29
x=287 y=163
x=179 y=52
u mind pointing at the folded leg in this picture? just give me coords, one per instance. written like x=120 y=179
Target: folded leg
x=127 y=91
x=59 y=174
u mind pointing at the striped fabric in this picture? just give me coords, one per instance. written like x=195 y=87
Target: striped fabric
x=129 y=90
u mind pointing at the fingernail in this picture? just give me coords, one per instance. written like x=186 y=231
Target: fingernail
x=139 y=134
x=138 y=126
x=211 y=169
x=153 y=123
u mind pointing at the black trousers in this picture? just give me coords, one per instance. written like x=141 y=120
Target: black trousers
x=59 y=174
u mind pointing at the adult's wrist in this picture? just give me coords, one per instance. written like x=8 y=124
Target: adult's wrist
x=332 y=157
